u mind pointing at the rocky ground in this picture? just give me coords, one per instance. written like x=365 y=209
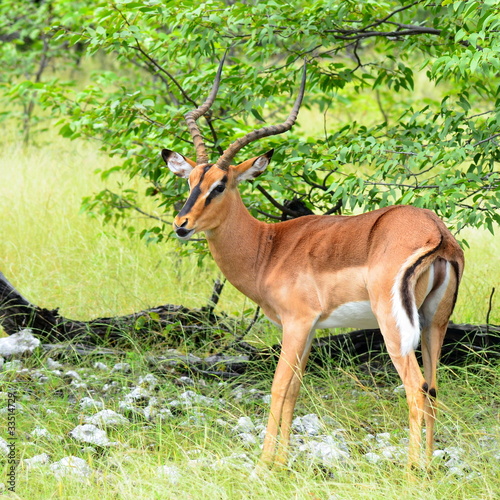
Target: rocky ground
x=112 y=400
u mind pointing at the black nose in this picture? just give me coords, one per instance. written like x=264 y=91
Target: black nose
x=182 y=232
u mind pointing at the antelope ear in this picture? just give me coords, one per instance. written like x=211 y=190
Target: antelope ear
x=250 y=169
x=177 y=163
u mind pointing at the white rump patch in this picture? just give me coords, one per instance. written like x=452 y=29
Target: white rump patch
x=431 y=303
x=409 y=333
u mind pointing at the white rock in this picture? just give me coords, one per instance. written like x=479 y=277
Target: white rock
x=171 y=472
x=222 y=422
x=308 y=424
x=16 y=408
x=247 y=438
x=262 y=434
x=71 y=466
x=153 y=410
x=106 y=418
x=190 y=398
x=196 y=417
x=112 y=387
x=238 y=393
x=73 y=375
x=373 y=458
x=260 y=427
x=456 y=471
x=40 y=432
x=148 y=380
x=197 y=463
x=239 y=460
x=15 y=365
x=87 y=402
x=164 y=413
x=439 y=453
x=91 y=434
x=186 y=381
x=39 y=376
x=138 y=395
x=488 y=442
x=393 y=452
x=18 y=343
x=244 y=424
x=383 y=438
x=4 y=447
x=101 y=366
x=53 y=365
x=454 y=452
x=400 y=389
x=455 y=462
x=36 y=461
x=126 y=406
x=328 y=451
x=122 y=367
x=78 y=385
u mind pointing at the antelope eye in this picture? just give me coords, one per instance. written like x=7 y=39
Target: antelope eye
x=219 y=188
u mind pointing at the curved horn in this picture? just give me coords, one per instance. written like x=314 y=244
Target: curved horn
x=192 y=116
x=226 y=159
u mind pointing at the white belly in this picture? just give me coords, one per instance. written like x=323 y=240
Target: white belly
x=350 y=315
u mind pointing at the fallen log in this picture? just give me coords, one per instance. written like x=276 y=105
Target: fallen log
x=462 y=343
x=171 y=324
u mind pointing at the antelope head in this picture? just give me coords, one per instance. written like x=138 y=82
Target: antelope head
x=213 y=185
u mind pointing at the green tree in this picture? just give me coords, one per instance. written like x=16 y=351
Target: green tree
x=30 y=56
x=435 y=148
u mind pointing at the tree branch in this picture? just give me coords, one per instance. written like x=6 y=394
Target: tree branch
x=278 y=205
x=486 y=140
x=351 y=35
x=154 y=62
x=127 y=204
x=270 y=216
x=391 y=14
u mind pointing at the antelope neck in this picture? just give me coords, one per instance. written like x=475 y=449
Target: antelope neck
x=238 y=246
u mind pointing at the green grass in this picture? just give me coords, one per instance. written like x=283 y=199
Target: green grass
x=59 y=257
x=207 y=456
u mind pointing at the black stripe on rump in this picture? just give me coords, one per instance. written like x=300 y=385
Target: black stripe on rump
x=456 y=268
x=193 y=196
x=406 y=295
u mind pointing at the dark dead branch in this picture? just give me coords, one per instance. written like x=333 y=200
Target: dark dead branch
x=171 y=325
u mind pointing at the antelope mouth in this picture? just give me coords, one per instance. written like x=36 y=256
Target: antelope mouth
x=183 y=233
